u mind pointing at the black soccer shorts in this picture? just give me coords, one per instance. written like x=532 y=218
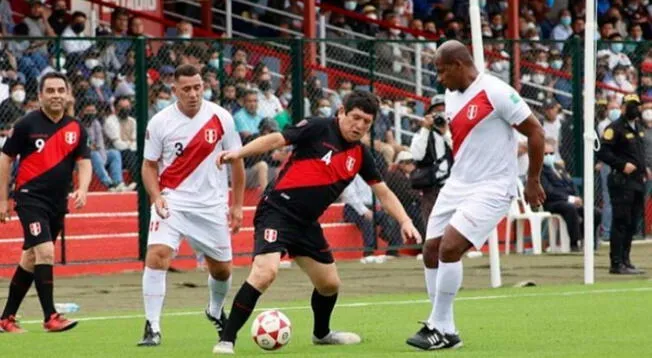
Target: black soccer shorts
x=39 y=225
x=276 y=232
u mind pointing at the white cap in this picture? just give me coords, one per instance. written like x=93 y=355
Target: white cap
x=404 y=155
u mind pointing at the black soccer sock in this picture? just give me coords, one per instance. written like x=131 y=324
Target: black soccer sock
x=43 y=279
x=322 y=309
x=243 y=305
x=18 y=288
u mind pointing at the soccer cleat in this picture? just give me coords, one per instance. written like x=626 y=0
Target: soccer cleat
x=219 y=323
x=58 y=323
x=10 y=325
x=337 y=338
x=431 y=339
x=223 y=348
x=150 y=338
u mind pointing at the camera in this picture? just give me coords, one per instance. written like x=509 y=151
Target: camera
x=439 y=120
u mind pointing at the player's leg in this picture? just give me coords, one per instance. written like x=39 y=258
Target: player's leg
x=219 y=283
x=18 y=287
x=162 y=242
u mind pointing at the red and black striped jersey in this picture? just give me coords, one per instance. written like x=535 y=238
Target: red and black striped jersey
x=47 y=153
x=321 y=166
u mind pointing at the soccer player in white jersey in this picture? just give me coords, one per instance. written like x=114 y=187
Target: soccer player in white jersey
x=482 y=112
x=189 y=195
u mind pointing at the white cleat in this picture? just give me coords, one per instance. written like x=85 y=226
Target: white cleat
x=337 y=338
x=223 y=348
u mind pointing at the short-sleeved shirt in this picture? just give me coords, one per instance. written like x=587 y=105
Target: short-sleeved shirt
x=47 y=152
x=245 y=122
x=321 y=166
x=186 y=150
x=484 y=141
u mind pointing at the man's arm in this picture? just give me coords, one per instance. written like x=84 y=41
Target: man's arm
x=5 y=172
x=393 y=207
x=149 y=173
x=85 y=170
x=257 y=146
x=532 y=129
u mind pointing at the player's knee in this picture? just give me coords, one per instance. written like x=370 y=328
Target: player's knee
x=431 y=253
x=450 y=251
x=220 y=273
x=27 y=260
x=158 y=257
x=329 y=286
x=44 y=254
x=262 y=276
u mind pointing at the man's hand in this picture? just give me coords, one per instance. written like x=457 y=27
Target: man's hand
x=598 y=166
x=79 y=197
x=235 y=218
x=226 y=157
x=578 y=201
x=629 y=168
x=408 y=231
x=534 y=194
x=428 y=121
x=4 y=211
x=161 y=207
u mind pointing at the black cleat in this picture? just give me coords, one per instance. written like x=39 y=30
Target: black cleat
x=630 y=266
x=624 y=270
x=431 y=339
x=219 y=323
x=150 y=338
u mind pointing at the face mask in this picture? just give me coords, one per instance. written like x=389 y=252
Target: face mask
x=566 y=20
x=97 y=82
x=549 y=160
x=395 y=32
x=59 y=12
x=18 y=96
x=497 y=66
x=399 y=10
x=91 y=63
x=325 y=111
x=534 y=38
x=208 y=94
x=123 y=113
x=62 y=62
x=503 y=5
x=264 y=85
x=372 y=16
x=614 y=114
x=215 y=63
x=161 y=103
x=185 y=36
x=344 y=92
x=487 y=33
x=498 y=27
x=620 y=78
x=88 y=118
x=632 y=112
x=538 y=78
x=78 y=28
x=350 y=5
x=556 y=64
x=483 y=3
x=384 y=111
x=617 y=48
x=647 y=115
x=297 y=24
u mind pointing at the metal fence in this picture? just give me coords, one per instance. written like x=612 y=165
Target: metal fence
x=119 y=83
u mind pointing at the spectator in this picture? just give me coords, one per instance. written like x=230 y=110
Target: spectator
x=119 y=26
x=76 y=30
x=239 y=71
x=268 y=104
x=6 y=17
x=398 y=180
x=562 y=197
x=229 y=100
x=551 y=122
x=344 y=87
x=620 y=82
x=31 y=60
x=59 y=19
x=99 y=90
x=247 y=120
x=31 y=104
x=160 y=97
x=120 y=132
x=12 y=107
x=260 y=168
x=615 y=54
x=605 y=114
x=136 y=27
x=101 y=158
x=358 y=209
x=56 y=62
x=322 y=108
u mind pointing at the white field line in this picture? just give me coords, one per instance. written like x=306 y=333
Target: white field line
x=383 y=303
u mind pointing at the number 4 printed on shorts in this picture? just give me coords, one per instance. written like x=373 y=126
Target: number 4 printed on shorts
x=153 y=226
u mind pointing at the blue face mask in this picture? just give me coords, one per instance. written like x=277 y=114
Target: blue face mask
x=215 y=63
x=566 y=20
x=549 y=160
x=617 y=48
x=208 y=94
x=161 y=103
x=614 y=114
x=556 y=64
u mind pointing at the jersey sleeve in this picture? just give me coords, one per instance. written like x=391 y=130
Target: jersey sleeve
x=153 y=141
x=83 y=151
x=510 y=105
x=15 y=144
x=302 y=131
x=368 y=170
x=232 y=139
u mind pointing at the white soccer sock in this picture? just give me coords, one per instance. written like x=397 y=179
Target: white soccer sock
x=154 y=295
x=431 y=283
x=217 y=291
x=449 y=281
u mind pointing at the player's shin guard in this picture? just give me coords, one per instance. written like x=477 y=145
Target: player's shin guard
x=44 y=282
x=153 y=296
x=449 y=281
x=322 y=309
x=20 y=284
x=217 y=291
x=243 y=305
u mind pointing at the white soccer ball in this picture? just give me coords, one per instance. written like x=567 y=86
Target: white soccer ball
x=271 y=330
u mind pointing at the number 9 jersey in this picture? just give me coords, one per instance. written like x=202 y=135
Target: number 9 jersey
x=186 y=150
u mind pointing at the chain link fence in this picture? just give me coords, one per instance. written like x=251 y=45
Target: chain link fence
x=118 y=84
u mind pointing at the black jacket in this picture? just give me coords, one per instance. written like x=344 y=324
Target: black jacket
x=622 y=144
x=558 y=186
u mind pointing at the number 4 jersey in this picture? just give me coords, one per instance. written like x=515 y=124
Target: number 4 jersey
x=186 y=150
x=47 y=153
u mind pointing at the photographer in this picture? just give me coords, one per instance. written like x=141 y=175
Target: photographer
x=433 y=155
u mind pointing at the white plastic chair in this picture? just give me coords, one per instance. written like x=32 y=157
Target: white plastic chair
x=558 y=224
x=520 y=211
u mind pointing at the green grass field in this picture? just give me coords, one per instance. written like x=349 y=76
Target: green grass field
x=604 y=320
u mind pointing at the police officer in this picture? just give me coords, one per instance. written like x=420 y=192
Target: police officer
x=623 y=150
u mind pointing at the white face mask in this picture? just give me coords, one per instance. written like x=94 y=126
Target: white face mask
x=208 y=94
x=18 y=96
x=399 y=10
x=96 y=82
x=538 y=78
x=614 y=114
x=395 y=32
x=556 y=64
x=620 y=78
x=344 y=92
x=185 y=36
x=325 y=111
x=350 y=5
x=91 y=63
x=372 y=16
x=647 y=115
x=549 y=160
x=497 y=66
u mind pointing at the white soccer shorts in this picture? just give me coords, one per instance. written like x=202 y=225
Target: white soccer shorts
x=473 y=211
x=207 y=233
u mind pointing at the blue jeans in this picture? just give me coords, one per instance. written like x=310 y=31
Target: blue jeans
x=390 y=231
x=113 y=162
x=606 y=201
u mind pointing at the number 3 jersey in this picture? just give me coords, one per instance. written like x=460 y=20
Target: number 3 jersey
x=322 y=165
x=47 y=153
x=186 y=151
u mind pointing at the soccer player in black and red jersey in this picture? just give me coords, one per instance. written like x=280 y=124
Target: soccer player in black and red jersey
x=49 y=144
x=327 y=156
